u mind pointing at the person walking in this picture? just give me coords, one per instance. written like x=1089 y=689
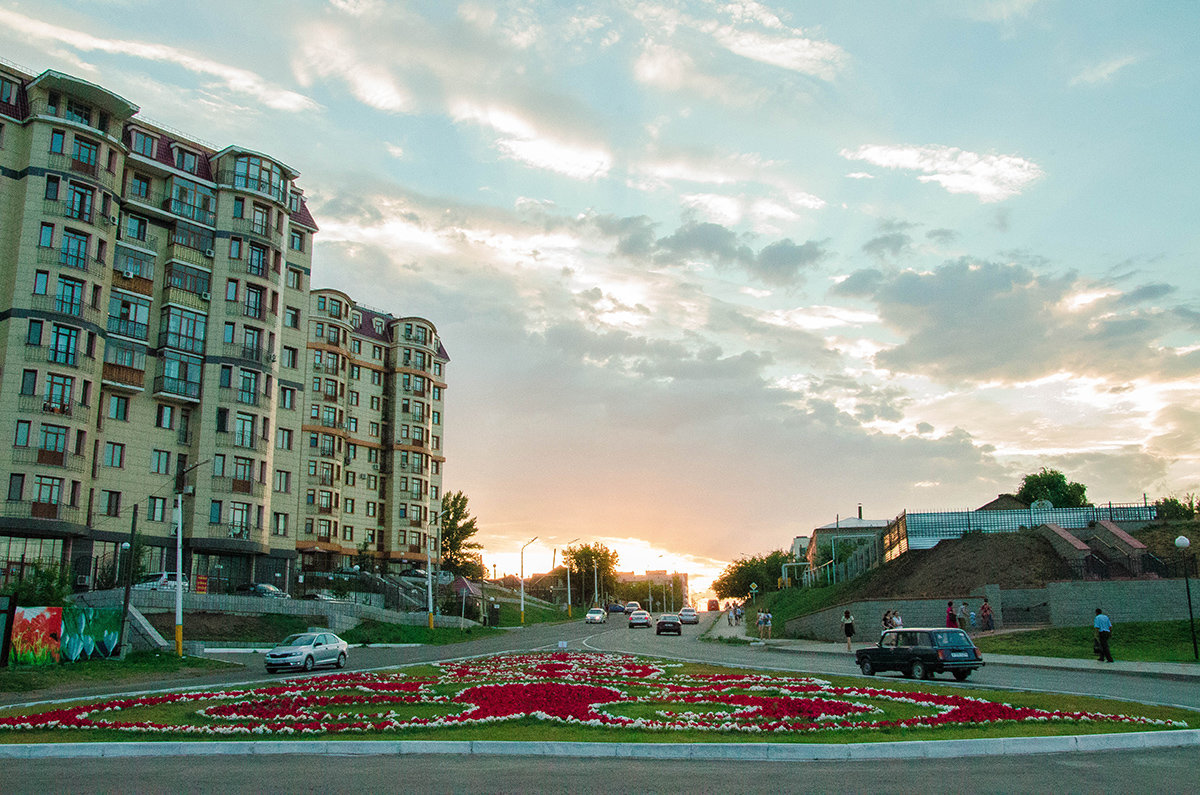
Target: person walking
x=848 y=628
x=1102 y=626
x=729 y=616
x=951 y=620
x=985 y=616
x=897 y=621
x=885 y=623
x=767 y=623
x=760 y=622
x=962 y=617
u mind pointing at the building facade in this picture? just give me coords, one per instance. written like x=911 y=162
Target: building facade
x=159 y=345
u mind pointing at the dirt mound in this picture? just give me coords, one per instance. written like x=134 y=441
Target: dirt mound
x=228 y=627
x=958 y=566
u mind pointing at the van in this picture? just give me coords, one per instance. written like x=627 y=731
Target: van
x=159 y=581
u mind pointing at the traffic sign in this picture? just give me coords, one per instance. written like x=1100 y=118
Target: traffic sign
x=753 y=587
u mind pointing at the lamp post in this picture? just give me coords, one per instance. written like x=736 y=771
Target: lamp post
x=429 y=559
x=124 y=548
x=568 y=565
x=179 y=489
x=1182 y=543
x=527 y=543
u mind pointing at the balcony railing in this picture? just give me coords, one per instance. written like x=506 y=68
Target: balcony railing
x=32 y=509
x=330 y=396
x=179 y=251
x=177 y=386
x=122 y=374
x=128 y=328
x=65 y=306
x=243 y=532
x=30 y=404
x=63 y=162
x=233 y=179
x=253 y=353
x=246 y=441
x=237 y=486
x=134 y=282
x=180 y=342
x=327 y=451
x=320 y=479
x=67 y=259
x=189 y=211
x=36 y=456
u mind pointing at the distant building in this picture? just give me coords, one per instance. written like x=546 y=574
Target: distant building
x=852 y=527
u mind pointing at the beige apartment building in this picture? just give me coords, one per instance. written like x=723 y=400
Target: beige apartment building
x=157 y=328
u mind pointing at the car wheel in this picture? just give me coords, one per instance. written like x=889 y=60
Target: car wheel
x=308 y=663
x=658 y=632
x=918 y=670
x=341 y=662
x=866 y=667
x=961 y=676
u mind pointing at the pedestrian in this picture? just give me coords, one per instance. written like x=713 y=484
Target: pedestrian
x=951 y=621
x=848 y=628
x=886 y=621
x=972 y=620
x=1103 y=630
x=897 y=621
x=759 y=621
x=985 y=616
x=767 y=623
x=729 y=616
x=962 y=617
x=741 y=614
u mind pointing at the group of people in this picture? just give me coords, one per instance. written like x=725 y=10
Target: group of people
x=734 y=614
x=891 y=620
x=964 y=617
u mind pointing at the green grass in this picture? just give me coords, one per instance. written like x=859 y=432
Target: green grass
x=510 y=614
x=370 y=631
x=1148 y=641
x=139 y=665
x=209 y=627
x=530 y=729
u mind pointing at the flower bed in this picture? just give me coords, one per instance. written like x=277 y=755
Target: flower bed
x=592 y=690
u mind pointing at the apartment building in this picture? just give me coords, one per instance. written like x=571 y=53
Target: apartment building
x=373 y=435
x=155 y=331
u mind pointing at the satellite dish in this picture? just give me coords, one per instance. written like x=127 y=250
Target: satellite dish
x=1041 y=505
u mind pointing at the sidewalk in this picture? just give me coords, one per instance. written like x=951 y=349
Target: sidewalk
x=721 y=629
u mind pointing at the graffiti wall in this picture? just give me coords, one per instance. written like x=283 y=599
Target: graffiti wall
x=48 y=635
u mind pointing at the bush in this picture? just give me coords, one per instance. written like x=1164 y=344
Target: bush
x=44 y=586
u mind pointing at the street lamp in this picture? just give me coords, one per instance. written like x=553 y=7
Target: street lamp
x=527 y=543
x=117 y=576
x=429 y=560
x=1182 y=543
x=179 y=488
x=568 y=546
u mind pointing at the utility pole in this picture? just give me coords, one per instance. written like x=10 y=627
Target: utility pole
x=128 y=581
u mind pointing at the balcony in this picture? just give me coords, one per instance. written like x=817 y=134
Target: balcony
x=243 y=532
x=329 y=397
x=176 y=387
x=61 y=357
x=331 y=368
x=31 y=404
x=182 y=253
x=232 y=179
x=256 y=311
x=320 y=479
x=134 y=282
x=124 y=376
x=237 y=486
x=65 y=306
x=36 y=456
x=180 y=342
x=63 y=162
x=199 y=215
x=244 y=440
x=128 y=328
x=185 y=298
x=262 y=232
x=252 y=353
x=326 y=510
x=146 y=243
x=67 y=259
x=327 y=451
x=31 y=509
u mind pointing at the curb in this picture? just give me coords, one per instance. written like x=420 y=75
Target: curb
x=760 y=752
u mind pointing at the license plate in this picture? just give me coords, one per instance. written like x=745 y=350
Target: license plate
x=958 y=654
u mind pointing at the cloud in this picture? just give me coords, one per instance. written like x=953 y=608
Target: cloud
x=1103 y=72
x=232 y=79
x=780 y=263
x=991 y=178
x=891 y=245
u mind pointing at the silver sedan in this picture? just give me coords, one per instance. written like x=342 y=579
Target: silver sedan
x=307 y=650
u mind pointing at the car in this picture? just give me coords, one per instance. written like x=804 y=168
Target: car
x=317 y=596
x=308 y=650
x=668 y=622
x=640 y=618
x=632 y=606
x=261 y=589
x=616 y=607
x=921 y=652
x=160 y=581
x=414 y=573
x=597 y=615
x=687 y=615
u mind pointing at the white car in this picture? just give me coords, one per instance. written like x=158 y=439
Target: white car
x=688 y=615
x=597 y=615
x=160 y=581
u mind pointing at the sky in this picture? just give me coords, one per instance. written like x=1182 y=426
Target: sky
x=712 y=274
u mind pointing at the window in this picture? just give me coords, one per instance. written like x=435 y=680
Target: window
x=283 y=481
x=135 y=228
x=166 y=416
x=296 y=240
x=52 y=184
x=114 y=454
x=22 y=436
x=16 y=486
x=186 y=161
x=291 y=317
x=279 y=524
x=8 y=91
x=111 y=500
x=370 y=508
x=160 y=462
x=288 y=357
x=139 y=187
x=118 y=407
x=348 y=505
x=57 y=141
x=143 y=144
x=214 y=512
x=46 y=236
x=287 y=397
x=347 y=533
x=79 y=202
x=283 y=438
x=293 y=278
x=256 y=260
x=156 y=510
x=29 y=379
x=235 y=248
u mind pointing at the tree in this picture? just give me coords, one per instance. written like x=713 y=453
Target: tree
x=458 y=550
x=365 y=560
x=1175 y=509
x=42 y=586
x=593 y=566
x=1052 y=485
x=761 y=570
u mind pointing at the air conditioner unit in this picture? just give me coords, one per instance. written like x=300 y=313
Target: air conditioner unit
x=208 y=252
x=207 y=296
x=128 y=274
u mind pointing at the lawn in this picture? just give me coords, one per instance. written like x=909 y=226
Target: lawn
x=137 y=666
x=370 y=631
x=1147 y=641
x=581 y=697
x=510 y=614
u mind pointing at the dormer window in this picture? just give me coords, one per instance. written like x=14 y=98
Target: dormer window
x=294 y=202
x=77 y=111
x=378 y=326
x=8 y=93
x=356 y=320
x=186 y=161
x=143 y=144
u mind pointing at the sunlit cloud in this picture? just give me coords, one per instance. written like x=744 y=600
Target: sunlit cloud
x=231 y=78
x=1103 y=72
x=990 y=177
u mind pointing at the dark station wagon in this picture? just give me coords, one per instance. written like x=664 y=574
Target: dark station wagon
x=920 y=653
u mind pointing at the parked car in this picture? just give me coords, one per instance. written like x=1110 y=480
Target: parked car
x=317 y=596
x=688 y=615
x=597 y=615
x=640 y=618
x=413 y=573
x=616 y=607
x=307 y=650
x=160 y=581
x=631 y=606
x=668 y=623
x=262 y=589
x=920 y=653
